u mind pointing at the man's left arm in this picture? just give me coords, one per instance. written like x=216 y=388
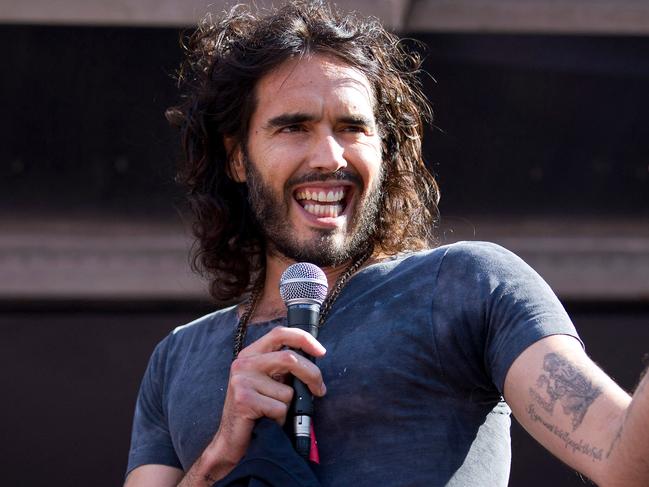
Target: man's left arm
x=579 y=414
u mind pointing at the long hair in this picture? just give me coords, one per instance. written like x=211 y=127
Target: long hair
x=225 y=58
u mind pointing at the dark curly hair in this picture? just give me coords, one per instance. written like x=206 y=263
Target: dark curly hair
x=225 y=58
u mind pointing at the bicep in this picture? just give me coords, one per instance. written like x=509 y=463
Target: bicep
x=154 y=476
x=566 y=403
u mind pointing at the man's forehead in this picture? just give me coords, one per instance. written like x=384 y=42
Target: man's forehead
x=314 y=72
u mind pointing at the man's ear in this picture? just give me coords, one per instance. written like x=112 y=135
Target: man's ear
x=235 y=167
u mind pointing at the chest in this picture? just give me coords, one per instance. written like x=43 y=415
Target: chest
x=383 y=364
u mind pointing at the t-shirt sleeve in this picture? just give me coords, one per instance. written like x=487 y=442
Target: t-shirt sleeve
x=505 y=306
x=150 y=438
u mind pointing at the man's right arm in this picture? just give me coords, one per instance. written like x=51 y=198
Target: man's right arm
x=164 y=476
x=154 y=476
x=255 y=390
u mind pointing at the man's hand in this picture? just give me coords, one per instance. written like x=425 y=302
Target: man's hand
x=256 y=389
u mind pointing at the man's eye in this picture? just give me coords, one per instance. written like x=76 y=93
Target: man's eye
x=292 y=128
x=354 y=128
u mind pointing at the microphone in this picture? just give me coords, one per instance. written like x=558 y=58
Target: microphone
x=303 y=288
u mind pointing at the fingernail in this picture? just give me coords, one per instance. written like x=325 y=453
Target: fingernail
x=323 y=389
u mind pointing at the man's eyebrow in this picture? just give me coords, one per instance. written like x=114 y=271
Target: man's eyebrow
x=288 y=119
x=300 y=117
x=360 y=120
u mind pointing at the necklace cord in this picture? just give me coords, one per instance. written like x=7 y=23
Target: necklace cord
x=255 y=295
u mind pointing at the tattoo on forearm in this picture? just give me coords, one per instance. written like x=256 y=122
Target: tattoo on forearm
x=564 y=383
x=587 y=449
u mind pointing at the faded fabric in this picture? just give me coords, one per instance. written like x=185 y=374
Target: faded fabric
x=418 y=348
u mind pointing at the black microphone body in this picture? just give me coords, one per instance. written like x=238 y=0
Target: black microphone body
x=303 y=288
x=305 y=317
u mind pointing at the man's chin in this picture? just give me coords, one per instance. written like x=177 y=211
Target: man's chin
x=324 y=251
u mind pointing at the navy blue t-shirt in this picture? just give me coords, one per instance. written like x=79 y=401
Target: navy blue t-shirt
x=418 y=347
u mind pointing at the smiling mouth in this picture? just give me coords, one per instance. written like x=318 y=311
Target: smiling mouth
x=323 y=202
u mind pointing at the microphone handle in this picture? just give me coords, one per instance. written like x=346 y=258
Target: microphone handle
x=304 y=316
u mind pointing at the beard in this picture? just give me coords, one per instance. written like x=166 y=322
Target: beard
x=328 y=247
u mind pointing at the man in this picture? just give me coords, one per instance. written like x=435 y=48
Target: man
x=302 y=136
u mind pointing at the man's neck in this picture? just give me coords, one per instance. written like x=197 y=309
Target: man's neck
x=271 y=305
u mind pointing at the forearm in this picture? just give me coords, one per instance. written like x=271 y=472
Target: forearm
x=201 y=475
x=211 y=466
x=628 y=453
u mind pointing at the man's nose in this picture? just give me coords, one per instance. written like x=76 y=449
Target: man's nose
x=328 y=154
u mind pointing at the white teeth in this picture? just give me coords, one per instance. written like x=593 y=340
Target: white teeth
x=322 y=195
x=331 y=211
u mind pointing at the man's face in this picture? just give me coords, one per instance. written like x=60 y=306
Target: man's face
x=313 y=160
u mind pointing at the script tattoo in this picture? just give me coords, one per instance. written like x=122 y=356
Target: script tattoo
x=564 y=383
x=580 y=446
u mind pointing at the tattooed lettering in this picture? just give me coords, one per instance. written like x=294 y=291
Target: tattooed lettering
x=548 y=406
x=576 y=446
x=564 y=383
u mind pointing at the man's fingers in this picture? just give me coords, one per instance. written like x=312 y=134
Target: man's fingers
x=279 y=377
x=281 y=362
x=276 y=390
x=252 y=401
x=262 y=385
x=273 y=409
x=300 y=367
x=280 y=337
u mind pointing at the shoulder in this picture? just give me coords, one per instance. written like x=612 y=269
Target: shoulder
x=204 y=331
x=486 y=257
x=464 y=254
x=467 y=257
x=477 y=251
x=206 y=322
x=420 y=270
x=212 y=331
x=471 y=269
x=485 y=267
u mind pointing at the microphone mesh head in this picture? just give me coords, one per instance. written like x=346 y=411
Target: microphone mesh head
x=303 y=281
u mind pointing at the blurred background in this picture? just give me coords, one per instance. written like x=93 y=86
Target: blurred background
x=540 y=143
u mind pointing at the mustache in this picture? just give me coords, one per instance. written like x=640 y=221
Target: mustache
x=318 y=177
